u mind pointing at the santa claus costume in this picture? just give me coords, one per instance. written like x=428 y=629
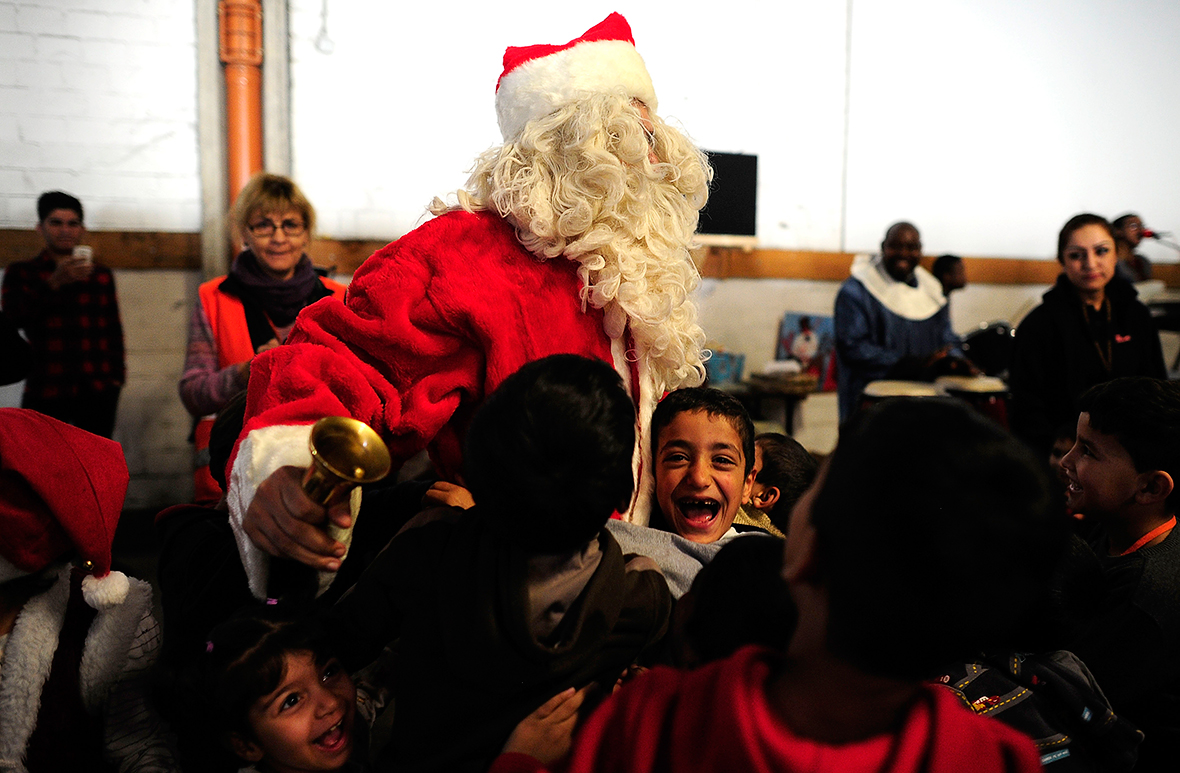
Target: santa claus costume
x=435 y=321
x=78 y=639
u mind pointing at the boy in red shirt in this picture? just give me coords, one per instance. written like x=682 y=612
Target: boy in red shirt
x=925 y=537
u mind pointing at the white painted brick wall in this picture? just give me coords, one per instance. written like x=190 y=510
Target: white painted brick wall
x=98 y=98
x=153 y=425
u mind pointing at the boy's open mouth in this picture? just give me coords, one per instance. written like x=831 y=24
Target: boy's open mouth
x=334 y=739
x=698 y=513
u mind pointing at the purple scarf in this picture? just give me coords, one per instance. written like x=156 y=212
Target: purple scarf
x=281 y=299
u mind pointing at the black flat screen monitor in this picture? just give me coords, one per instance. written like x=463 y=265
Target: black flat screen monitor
x=733 y=195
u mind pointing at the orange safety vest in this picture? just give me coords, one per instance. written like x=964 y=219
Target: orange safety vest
x=231 y=335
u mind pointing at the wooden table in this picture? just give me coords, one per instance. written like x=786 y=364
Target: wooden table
x=791 y=390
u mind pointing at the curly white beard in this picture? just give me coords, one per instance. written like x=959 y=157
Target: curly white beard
x=579 y=184
x=643 y=281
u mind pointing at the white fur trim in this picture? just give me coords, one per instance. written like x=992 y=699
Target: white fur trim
x=916 y=303
x=261 y=453
x=32 y=645
x=640 y=510
x=343 y=536
x=28 y=656
x=104 y=656
x=540 y=86
x=105 y=592
x=649 y=394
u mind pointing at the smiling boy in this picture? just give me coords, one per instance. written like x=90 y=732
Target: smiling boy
x=1118 y=469
x=703 y=453
x=887 y=587
x=1122 y=473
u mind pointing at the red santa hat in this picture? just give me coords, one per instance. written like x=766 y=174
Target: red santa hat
x=539 y=79
x=61 y=490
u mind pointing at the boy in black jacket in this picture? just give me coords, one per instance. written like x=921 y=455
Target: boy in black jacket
x=1122 y=472
x=499 y=607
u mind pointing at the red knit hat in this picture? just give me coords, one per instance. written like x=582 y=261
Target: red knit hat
x=539 y=79
x=61 y=488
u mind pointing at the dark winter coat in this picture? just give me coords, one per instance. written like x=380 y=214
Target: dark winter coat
x=1055 y=358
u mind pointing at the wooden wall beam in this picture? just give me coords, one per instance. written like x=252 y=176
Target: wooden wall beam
x=115 y=249
x=165 y=249
x=733 y=263
x=159 y=249
x=343 y=256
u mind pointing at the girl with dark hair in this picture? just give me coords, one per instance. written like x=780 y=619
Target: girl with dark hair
x=1089 y=328
x=268 y=691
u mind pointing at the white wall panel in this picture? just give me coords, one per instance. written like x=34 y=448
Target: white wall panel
x=987 y=122
x=99 y=99
x=399 y=109
x=990 y=122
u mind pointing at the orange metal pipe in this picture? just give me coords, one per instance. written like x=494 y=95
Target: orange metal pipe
x=241 y=52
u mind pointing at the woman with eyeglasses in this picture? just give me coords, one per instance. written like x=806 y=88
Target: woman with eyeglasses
x=251 y=309
x=1089 y=328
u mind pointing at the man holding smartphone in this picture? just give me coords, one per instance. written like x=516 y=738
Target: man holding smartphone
x=65 y=303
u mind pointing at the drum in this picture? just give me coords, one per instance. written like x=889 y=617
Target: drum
x=876 y=391
x=986 y=394
x=989 y=347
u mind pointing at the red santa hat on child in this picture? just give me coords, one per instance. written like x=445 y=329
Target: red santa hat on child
x=539 y=79
x=61 y=490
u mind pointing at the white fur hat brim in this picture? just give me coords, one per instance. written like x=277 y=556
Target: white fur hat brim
x=539 y=86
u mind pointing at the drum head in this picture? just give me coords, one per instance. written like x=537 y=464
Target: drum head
x=972 y=384
x=990 y=348
x=879 y=390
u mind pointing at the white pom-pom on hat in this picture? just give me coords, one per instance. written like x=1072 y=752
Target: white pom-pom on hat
x=105 y=592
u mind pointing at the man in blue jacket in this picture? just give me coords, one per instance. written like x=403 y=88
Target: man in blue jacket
x=888 y=311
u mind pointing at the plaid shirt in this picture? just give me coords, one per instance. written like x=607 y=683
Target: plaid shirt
x=75 y=331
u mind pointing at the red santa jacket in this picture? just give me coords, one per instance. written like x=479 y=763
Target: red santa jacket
x=433 y=323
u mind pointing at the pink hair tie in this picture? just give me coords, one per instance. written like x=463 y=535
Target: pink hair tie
x=208 y=646
x=271 y=602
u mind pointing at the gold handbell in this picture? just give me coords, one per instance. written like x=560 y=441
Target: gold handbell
x=344 y=453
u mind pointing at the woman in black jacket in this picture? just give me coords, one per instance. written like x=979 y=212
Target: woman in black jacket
x=1089 y=328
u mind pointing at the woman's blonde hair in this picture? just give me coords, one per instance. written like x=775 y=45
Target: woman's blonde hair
x=578 y=183
x=265 y=194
